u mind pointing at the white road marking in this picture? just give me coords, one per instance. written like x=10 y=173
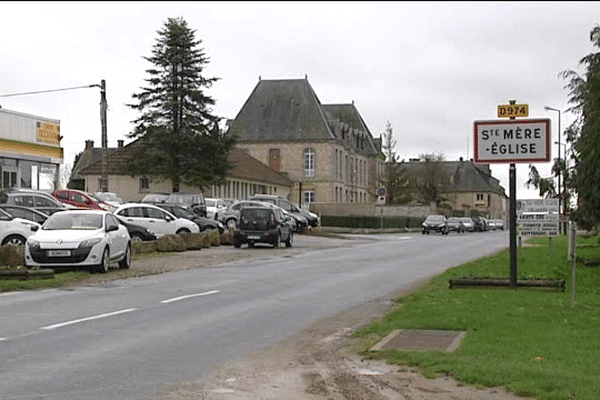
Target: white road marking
x=75 y=321
x=189 y=296
x=2 y=338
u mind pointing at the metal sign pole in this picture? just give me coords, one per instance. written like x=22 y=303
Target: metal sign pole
x=512 y=177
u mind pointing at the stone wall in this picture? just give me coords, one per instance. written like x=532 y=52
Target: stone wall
x=375 y=210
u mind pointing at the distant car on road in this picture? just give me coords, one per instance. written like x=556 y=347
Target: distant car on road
x=499 y=224
x=455 y=225
x=435 y=223
x=468 y=224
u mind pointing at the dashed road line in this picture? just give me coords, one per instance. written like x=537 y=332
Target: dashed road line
x=189 y=296
x=76 y=321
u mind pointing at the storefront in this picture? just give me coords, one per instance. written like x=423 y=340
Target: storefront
x=30 y=152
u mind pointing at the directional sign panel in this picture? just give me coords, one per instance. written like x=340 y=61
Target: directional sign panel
x=512 y=141
x=537 y=206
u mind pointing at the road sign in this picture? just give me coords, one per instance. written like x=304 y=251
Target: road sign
x=512 y=141
x=537 y=217
x=538 y=206
x=513 y=110
x=382 y=191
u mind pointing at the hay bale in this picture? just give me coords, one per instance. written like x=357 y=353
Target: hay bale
x=205 y=239
x=227 y=237
x=215 y=238
x=143 y=247
x=12 y=256
x=170 y=243
x=193 y=241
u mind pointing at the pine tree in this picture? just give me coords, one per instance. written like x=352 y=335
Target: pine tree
x=178 y=137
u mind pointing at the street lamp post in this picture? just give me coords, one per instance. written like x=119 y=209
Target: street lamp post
x=560 y=196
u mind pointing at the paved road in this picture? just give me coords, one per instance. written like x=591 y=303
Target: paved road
x=125 y=338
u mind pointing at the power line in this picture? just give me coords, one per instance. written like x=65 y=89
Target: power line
x=47 y=91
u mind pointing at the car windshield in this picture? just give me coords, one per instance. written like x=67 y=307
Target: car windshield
x=256 y=213
x=183 y=213
x=211 y=203
x=435 y=218
x=70 y=221
x=455 y=220
x=185 y=199
x=466 y=220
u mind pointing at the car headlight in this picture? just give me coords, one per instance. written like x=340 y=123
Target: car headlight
x=89 y=243
x=33 y=244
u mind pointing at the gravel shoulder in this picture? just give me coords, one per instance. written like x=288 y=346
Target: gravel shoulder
x=319 y=363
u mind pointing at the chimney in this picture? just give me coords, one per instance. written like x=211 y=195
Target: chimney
x=89 y=144
x=120 y=144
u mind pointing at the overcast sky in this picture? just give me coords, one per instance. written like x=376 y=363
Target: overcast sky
x=429 y=68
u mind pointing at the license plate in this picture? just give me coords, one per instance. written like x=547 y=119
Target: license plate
x=59 y=253
x=254 y=237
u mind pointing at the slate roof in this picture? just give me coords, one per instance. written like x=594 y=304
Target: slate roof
x=88 y=157
x=244 y=166
x=466 y=176
x=348 y=115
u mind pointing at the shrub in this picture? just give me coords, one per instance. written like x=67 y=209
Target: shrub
x=170 y=243
x=12 y=256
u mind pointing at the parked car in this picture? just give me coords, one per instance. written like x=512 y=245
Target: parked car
x=158 y=221
x=80 y=199
x=15 y=230
x=36 y=199
x=27 y=213
x=195 y=201
x=499 y=224
x=214 y=206
x=263 y=225
x=491 y=224
x=79 y=238
x=435 y=223
x=109 y=198
x=455 y=225
x=312 y=218
x=468 y=224
x=180 y=211
x=137 y=233
x=480 y=224
x=155 y=198
x=231 y=215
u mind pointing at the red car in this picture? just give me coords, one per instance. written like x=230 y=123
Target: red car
x=80 y=199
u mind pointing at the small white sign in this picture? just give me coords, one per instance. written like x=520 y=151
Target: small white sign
x=512 y=141
x=537 y=217
x=537 y=206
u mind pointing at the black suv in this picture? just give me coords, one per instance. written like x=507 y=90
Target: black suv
x=263 y=225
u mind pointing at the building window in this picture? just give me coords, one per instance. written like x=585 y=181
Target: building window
x=275 y=159
x=309 y=163
x=309 y=197
x=144 y=184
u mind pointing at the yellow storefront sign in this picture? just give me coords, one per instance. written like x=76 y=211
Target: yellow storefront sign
x=48 y=132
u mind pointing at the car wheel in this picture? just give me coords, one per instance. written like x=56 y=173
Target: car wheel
x=207 y=229
x=290 y=240
x=182 y=231
x=125 y=263
x=277 y=241
x=17 y=240
x=250 y=243
x=103 y=266
x=231 y=223
x=236 y=244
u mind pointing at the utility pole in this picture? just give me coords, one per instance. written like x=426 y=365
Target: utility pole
x=104 y=161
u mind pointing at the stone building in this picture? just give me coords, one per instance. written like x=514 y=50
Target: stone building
x=327 y=151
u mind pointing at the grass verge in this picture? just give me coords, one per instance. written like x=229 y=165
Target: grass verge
x=533 y=342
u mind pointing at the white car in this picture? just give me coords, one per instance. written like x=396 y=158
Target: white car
x=79 y=238
x=155 y=219
x=214 y=207
x=15 y=230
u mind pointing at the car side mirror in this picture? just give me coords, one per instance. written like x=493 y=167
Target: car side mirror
x=111 y=228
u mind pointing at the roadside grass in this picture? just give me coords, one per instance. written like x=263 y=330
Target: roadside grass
x=533 y=342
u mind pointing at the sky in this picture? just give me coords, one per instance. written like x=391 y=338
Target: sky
x=430 y=69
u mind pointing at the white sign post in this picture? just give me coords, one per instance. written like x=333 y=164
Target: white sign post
x=514 y=141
